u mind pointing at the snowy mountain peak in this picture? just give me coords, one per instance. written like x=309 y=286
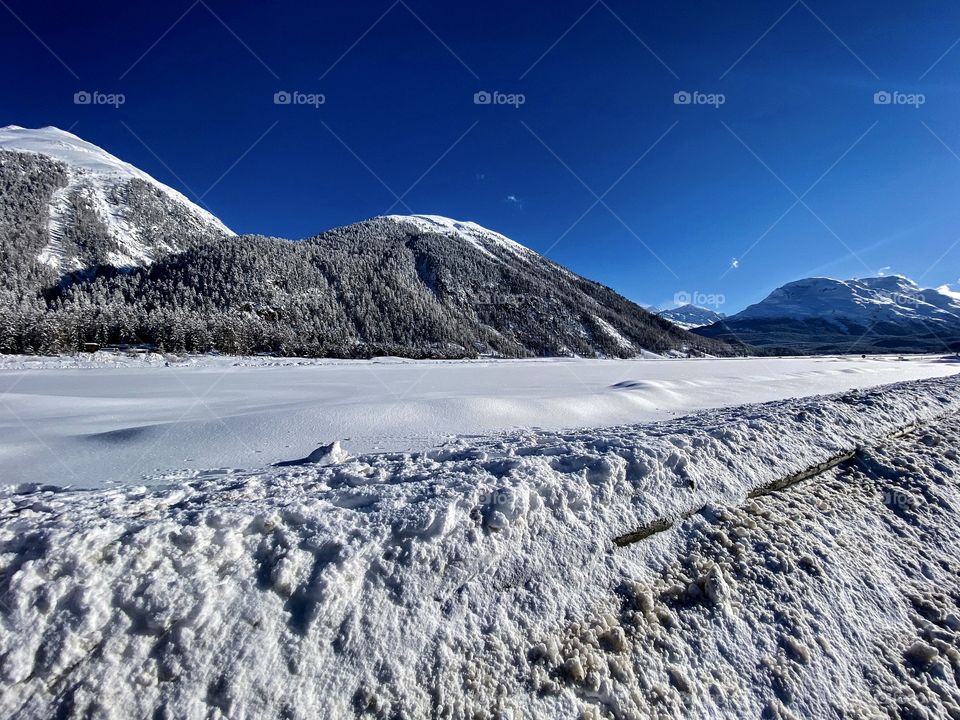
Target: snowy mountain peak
x=67 y=147
x=477 y=235
x=133 y=216
x=887 y=312
x=890 y=283
x=691 y=316
x=863 y=299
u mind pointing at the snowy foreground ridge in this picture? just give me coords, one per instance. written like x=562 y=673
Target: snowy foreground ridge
x=484 y=580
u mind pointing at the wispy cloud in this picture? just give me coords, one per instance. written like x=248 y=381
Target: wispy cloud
x=515 y=201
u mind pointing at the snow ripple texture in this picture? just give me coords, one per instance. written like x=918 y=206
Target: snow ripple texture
x=481 y=579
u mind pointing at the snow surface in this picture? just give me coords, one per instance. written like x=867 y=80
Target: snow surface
x=477 y=235
x=95 y=419
x=483 y=580
x=94 y=172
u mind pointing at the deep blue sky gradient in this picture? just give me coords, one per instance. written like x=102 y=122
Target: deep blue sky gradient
x=199 y=115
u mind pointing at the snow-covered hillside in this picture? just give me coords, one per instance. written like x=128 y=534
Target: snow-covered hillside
x=691 y=316
x=482 y=275
x=134 y=213
x=385 y=286
x=477 y=235
x=880 y=313
x=639 y=571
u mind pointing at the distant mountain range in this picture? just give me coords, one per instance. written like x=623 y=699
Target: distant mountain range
x=822 y=315
x=96 y=251
x=691 y=316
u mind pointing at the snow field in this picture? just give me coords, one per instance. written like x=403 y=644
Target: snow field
x=108 y=418
x=481 y=579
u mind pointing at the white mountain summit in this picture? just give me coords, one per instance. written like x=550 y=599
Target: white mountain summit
x=878 y=314
x=100 y=209
x=691 y=316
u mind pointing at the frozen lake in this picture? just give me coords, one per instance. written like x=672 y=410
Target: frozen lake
x=109 y=419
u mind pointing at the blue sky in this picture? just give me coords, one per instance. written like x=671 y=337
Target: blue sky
x=798 y=171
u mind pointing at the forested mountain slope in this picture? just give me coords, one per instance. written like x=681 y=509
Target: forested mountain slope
x=397 y=285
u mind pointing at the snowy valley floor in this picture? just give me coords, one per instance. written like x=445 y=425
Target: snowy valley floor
x=107 y=418
x=483 y=579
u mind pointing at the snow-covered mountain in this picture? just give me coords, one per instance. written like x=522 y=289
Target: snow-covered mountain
x=421 y=286
x=512 y=299
x=78 y=205
x=880 y=313
x=889 y=298
x=691 y=316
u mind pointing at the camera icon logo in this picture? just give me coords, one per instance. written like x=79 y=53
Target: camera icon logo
x=282 y=97
x=82 y=98
x=482 y=97
x=882 y=98
x=682 y=98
